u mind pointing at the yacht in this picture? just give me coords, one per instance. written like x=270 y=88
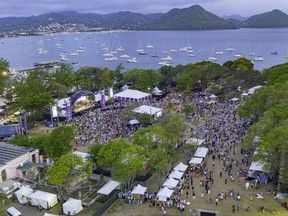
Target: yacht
x=132 y=60
x=149 y=46
x=252 y=53
x=219 y=52
x=42 y=51
x=259 y=58
x=154 y=55
x=168 y=58
x=141 y=52
x=125 y=56
x=74 y=53
x=230 y=48
x=64 y=58
x=212 y=58
x=165 y=63
x=238 y=55
x=274 y=52
x=120 y=49
x=172 y=50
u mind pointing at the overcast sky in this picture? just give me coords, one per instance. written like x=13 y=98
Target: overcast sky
x=219 y=7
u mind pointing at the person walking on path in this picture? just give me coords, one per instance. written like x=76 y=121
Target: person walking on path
x=238 y=206
x=233 y=209
x=216 y=201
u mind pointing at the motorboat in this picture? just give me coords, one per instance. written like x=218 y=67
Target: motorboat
x=259 y=58
x=132 y=60
x=230 y=48
x=238 y=55
x=167 y=58
x=212 y=58
x=125 y=56
x=274 y=52
x=165 y=63
x=219 y=52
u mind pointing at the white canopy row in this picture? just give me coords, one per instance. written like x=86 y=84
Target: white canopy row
x=108 y=187
x=201 y=152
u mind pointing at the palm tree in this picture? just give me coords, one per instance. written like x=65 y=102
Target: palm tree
x=4 y=75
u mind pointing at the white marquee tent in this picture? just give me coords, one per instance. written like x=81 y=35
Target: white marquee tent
x=195 y=160
x=257 y=166
x=130 y=94
x=195 y=141
x=47 y=214
x=23 y=193
x=153 y=111
x=2 y=104
x=213 y=96
x=134 y=121
x=44 y=199
x=139 y=189
x=170 y=183
x=164 y=193
x=73 y=206
x=181 y=167
x=176 y=174
x=234 y=99
x=201 y=152
x=108 y=187
x=157 y=91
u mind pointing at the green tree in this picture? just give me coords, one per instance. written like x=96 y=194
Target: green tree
x=144 y=118
x=4 y=73
x=128 y=113
x=188 y=108
x=111 y=151
x=94 y=151
x=60 y=141
x=242 y=64
x=65 y=170
x=184 y=82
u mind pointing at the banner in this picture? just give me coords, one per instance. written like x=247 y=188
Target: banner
x=103 y=101
x=68 y=110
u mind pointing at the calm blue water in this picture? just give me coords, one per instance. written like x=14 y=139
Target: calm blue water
x=22 y=51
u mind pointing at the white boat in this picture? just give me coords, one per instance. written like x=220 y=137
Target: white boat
x=120 y=49
x=64 y=58
x=191 y=54
x=125 y=56
x=252 y=53
x=212 y=58
x=108 y=54
x=165 y=63
x=149 y=46
x=132 y=60
x=141 y=52
x=113 y=58
x=154 y=55
x=259 y=58
x=42 y=51
x=230 y=48
x=274 y=52
x=59 y=46
x=219 y=52
x=173 y=50
x=238 y=55
x=74 y=53
x=167 y=58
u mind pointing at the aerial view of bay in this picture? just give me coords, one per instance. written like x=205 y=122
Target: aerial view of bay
x=23 y=52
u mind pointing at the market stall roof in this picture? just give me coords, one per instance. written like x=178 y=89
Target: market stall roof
x=235 y=99
x=195 y=141
x=108 y=187
x=164 y=193
x=201 y=152
x=213 y=96
x=2 y=104
x=195 y=160
x=157 y=91
x=181 y=167
x=147 y=109
x=258 y=166
x=170 y=183
x=176 y=174
x=72 y=206
x=134 y=121
x=139 y=189
x=132 y=94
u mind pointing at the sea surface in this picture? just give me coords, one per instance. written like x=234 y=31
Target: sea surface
x=23 y=52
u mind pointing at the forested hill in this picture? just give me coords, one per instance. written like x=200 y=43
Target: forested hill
x=272 y=19
x=192 y=18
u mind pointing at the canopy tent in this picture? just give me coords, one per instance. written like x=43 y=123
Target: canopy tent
x=108 y=187
x=47 y=214
x=23 y=193
x=253 y=89
x=211 y=102
x=164 y=193
x=176 y=174
x=125 y=87
x=153 y=111
x=244 y=94
x=98 y=97
x=72 y=206
x=85 y=156
x=235 y=99
x=195 y=160
x=134 y=121
x=258 y=166
x=181 y=167
x=2 y=104
x=170 y=183
x=213 y=96
x=195 y=141
x=44 y=199
x=201 y=152
x=157 y=91
x=130 y=94
x=139 y=189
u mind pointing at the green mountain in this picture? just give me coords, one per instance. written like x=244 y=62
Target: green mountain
x=272 y=19
x=192 y=18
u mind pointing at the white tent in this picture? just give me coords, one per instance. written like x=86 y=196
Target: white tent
x=213 y=96
x=44 y=199
x=134 y=121
x=2 y=104
x=244 y=94
x=195 y=141
x=201 y=152
x=149 y=110
x=125 y=87
x=170 y=183
x=211 y=102
x=98 y=97
x=130 y=94
x=47 y=214
x=176 y=174
x=139 y=189
x=257 y=166
x=108 y=187
x=157 y=91
x=235 y=99
x=181 y=167
x=73 y=206
x=195 y=160
x=164 y=193
x=84 y=155
x=23 y=193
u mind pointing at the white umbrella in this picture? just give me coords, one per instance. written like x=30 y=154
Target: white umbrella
x=235 y=99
